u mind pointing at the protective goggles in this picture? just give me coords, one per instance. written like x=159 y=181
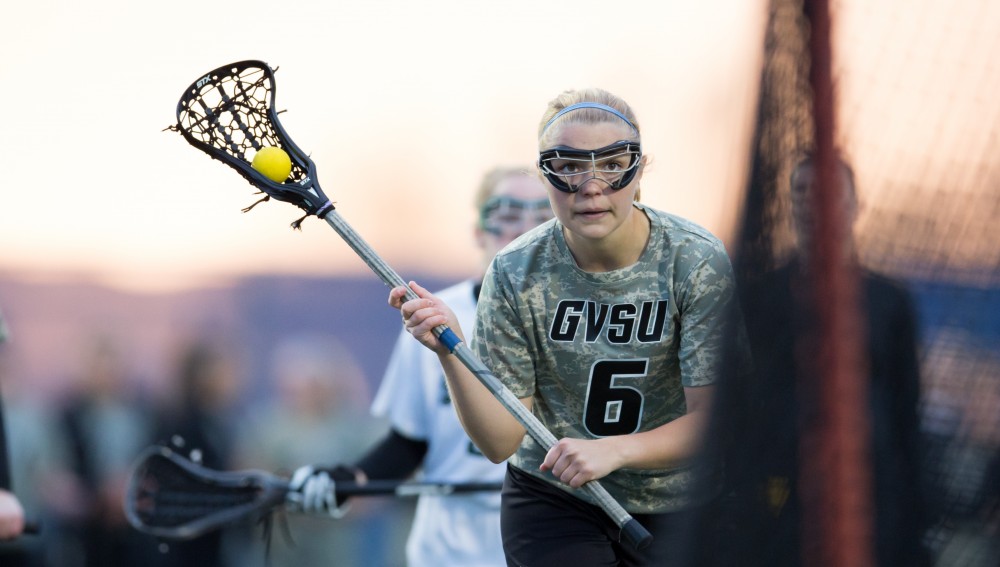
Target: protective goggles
x=568 y=169
x=508 y=215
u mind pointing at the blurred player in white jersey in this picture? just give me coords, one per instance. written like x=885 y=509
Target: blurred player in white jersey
x=426 y=438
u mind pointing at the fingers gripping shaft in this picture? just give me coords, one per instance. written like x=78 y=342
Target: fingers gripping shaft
x=632 y=531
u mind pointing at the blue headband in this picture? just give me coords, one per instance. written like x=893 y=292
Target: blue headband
x=596 y=105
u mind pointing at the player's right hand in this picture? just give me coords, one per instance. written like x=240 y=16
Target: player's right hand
x=422 y=315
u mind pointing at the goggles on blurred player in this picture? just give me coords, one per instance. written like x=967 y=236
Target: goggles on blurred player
x=567 y=169
x=508 y=215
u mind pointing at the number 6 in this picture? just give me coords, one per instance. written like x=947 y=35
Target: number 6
x=611 y=409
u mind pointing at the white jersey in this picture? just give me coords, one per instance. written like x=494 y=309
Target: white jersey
x=458 y=530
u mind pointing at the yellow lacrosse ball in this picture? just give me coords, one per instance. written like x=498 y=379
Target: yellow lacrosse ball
x=273 y=163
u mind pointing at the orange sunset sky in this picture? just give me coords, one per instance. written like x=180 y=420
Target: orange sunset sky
x=402 y=104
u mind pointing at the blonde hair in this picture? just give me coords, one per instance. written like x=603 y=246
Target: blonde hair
x=492 y=178
x=584 y=115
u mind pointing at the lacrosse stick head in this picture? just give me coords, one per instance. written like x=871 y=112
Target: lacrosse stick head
x=229 y=114
x=171 y=497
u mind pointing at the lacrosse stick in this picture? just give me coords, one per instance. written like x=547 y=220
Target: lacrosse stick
x=172 y=497
x=229 y=114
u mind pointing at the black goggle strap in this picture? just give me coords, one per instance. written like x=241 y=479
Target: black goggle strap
x=504 y=206
x=611 y=151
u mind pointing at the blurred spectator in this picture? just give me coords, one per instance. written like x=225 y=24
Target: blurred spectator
x=105 y=426
x=38 y=471
x=318 y=414
x=961 y=433
x=11 y=509
x=199 y=422
x=779 y=312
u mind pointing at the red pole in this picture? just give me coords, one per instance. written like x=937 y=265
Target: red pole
x=835 y=454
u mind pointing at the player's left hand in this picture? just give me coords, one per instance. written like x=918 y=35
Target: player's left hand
x=315 y=492
x=578 y=461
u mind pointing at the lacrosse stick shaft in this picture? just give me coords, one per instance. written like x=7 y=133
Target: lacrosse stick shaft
x=631 y=529
x=406 y=489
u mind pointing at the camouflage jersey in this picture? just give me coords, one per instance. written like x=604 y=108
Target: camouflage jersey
x=607 y=353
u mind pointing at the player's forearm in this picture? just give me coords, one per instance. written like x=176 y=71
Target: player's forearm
x=670 y=445
x=487 y=422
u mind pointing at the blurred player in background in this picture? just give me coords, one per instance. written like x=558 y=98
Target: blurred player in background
x=106 y=421
x=198 y=420
x=318 y=413
x=425 y=434
x=608 y=325
x=11 y=512
x=769 y=526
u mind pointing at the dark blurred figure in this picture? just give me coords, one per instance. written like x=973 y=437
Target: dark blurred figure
x=11 y=511
x=199 y=422
x=106 y=425
x=765 y=460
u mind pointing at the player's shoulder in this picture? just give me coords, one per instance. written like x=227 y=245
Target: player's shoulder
x=681 y=241
x=679 y=228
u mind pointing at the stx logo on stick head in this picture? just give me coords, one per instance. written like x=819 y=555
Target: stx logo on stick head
x=619 y=323
x=203 y=81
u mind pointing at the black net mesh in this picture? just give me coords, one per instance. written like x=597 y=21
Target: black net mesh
x=231 y=110
x=917 y=123
x=164 y=494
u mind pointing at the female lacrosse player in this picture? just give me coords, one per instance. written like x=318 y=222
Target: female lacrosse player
x=607 y=323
